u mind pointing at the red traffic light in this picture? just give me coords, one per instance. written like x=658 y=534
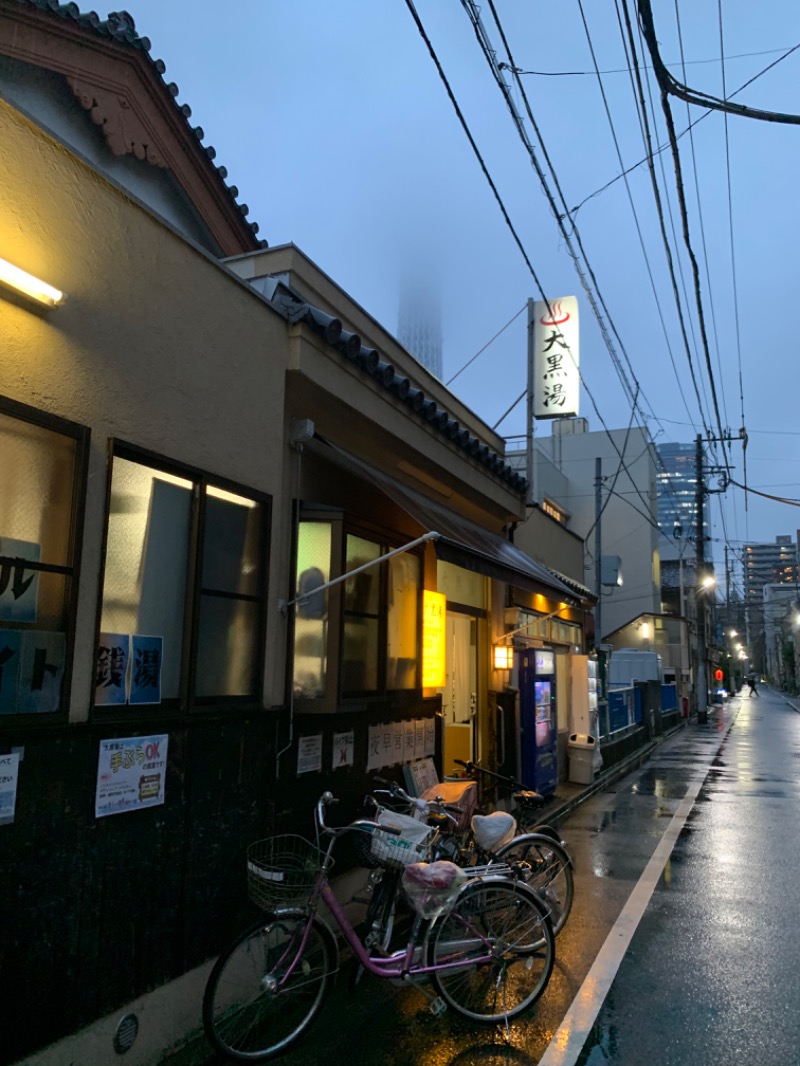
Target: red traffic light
x=718 y=674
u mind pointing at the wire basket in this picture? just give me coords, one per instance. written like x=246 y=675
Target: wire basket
x=282 y=870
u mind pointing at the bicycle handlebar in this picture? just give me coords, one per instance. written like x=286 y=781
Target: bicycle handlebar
x=452 y=810
x=473 y=767
x=327 y=799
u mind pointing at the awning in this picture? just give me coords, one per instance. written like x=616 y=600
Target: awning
x=462 y=542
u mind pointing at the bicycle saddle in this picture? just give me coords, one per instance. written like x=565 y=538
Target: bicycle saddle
x=528 y=798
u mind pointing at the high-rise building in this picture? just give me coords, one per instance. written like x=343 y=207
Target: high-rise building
x=677 y=499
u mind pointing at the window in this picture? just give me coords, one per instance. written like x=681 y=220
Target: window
x=42 y=480
x=551 y=508
x=182 y=617
x=376 y=619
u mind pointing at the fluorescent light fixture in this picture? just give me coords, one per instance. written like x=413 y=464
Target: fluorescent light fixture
x=503 y=657
x=29 y=286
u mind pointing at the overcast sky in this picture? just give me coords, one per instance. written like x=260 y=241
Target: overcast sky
x=334 y=125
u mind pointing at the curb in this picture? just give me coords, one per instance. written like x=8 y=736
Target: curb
x=614 y=773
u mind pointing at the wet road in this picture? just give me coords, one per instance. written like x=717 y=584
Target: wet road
x=696 y=962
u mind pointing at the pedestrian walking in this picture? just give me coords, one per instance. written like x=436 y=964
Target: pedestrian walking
x=751 y=681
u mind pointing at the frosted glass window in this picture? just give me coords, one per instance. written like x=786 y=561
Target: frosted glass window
x=402 y=622
x=38 y=499
x=147 y=557
x=311 y=612
x=176 y=540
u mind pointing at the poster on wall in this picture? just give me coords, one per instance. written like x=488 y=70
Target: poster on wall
x=146 y=655
x=374 y=750
x=19 y=586
x=111 y=669
x=343 y=748
x=41 y=671
x=131 y=773
x=31 y=671
x=430 y=736
x=309 y=754
x=10 y=649
x=9 y=772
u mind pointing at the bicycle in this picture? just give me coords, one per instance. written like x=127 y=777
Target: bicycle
x=538 y=859
x=540 y=847
x=486 y=945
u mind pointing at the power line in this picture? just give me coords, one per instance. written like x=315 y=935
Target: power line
x=480 y=351
x=474 y=15
x=699 y=119
x=665 y=105
x=671 y=87
x=626 y=70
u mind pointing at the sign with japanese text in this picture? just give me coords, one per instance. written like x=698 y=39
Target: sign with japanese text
x=131 y=773
x=9 y=770
x=556 y=377
x=31 y=671
x=343 y=747
x=309 y=754
x=19 y=585
x=111 y=669
x=434 y=614
x=146 y=655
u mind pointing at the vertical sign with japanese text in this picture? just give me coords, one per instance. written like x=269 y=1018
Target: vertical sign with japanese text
x=434 y=614
x=556 y=377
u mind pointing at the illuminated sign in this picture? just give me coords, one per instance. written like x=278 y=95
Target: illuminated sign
x=556 y=379
x=545 y=662
x=434 y=611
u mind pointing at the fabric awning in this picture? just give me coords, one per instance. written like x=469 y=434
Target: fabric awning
x=462 y=542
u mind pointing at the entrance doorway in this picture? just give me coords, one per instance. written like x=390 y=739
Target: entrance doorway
x=460 y=693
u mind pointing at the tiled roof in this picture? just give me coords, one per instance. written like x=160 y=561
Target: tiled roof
x=119 y=26
x=294 y=308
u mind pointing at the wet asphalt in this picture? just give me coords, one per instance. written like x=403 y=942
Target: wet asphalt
x=712 y=974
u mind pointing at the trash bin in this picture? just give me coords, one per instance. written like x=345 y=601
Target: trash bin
x=581 y=758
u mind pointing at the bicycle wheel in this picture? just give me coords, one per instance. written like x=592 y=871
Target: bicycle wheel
x=514 y=921
x=550 y=873
x=252 y=1007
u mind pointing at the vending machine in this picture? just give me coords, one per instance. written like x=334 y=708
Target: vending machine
x=537 y=714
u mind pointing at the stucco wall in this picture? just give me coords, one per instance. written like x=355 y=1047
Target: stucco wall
x=157 y=344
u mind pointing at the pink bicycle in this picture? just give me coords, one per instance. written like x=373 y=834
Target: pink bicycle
x=485 y=943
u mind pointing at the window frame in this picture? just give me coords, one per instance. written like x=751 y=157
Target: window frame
x=188 y=703
x=343 y=525
x=81 y=435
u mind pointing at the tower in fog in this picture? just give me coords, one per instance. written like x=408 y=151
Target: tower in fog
x=419 y=327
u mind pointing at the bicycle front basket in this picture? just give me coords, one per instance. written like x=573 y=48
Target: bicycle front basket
x=410 y=846
x=282 y=870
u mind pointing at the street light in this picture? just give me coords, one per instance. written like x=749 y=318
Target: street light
x=708 y=582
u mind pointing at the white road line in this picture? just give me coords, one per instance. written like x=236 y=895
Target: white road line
x=567 y=1043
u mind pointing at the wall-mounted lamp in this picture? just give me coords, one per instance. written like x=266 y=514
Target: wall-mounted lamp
x=29 y=286
x=503 y=656
x=645 y=627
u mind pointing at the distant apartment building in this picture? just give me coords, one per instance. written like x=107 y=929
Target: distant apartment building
x=763 y=565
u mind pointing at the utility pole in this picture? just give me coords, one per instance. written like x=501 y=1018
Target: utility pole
x=529 y=415
x=701 y=684
x=598 y=614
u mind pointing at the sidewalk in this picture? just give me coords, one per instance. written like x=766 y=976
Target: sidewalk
x=570 y=795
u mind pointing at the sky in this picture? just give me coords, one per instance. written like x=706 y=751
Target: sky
x=333 y=122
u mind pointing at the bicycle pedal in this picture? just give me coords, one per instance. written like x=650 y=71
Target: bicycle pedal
x=437 y=1006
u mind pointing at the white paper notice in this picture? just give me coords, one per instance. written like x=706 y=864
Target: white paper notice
x=309 y=754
